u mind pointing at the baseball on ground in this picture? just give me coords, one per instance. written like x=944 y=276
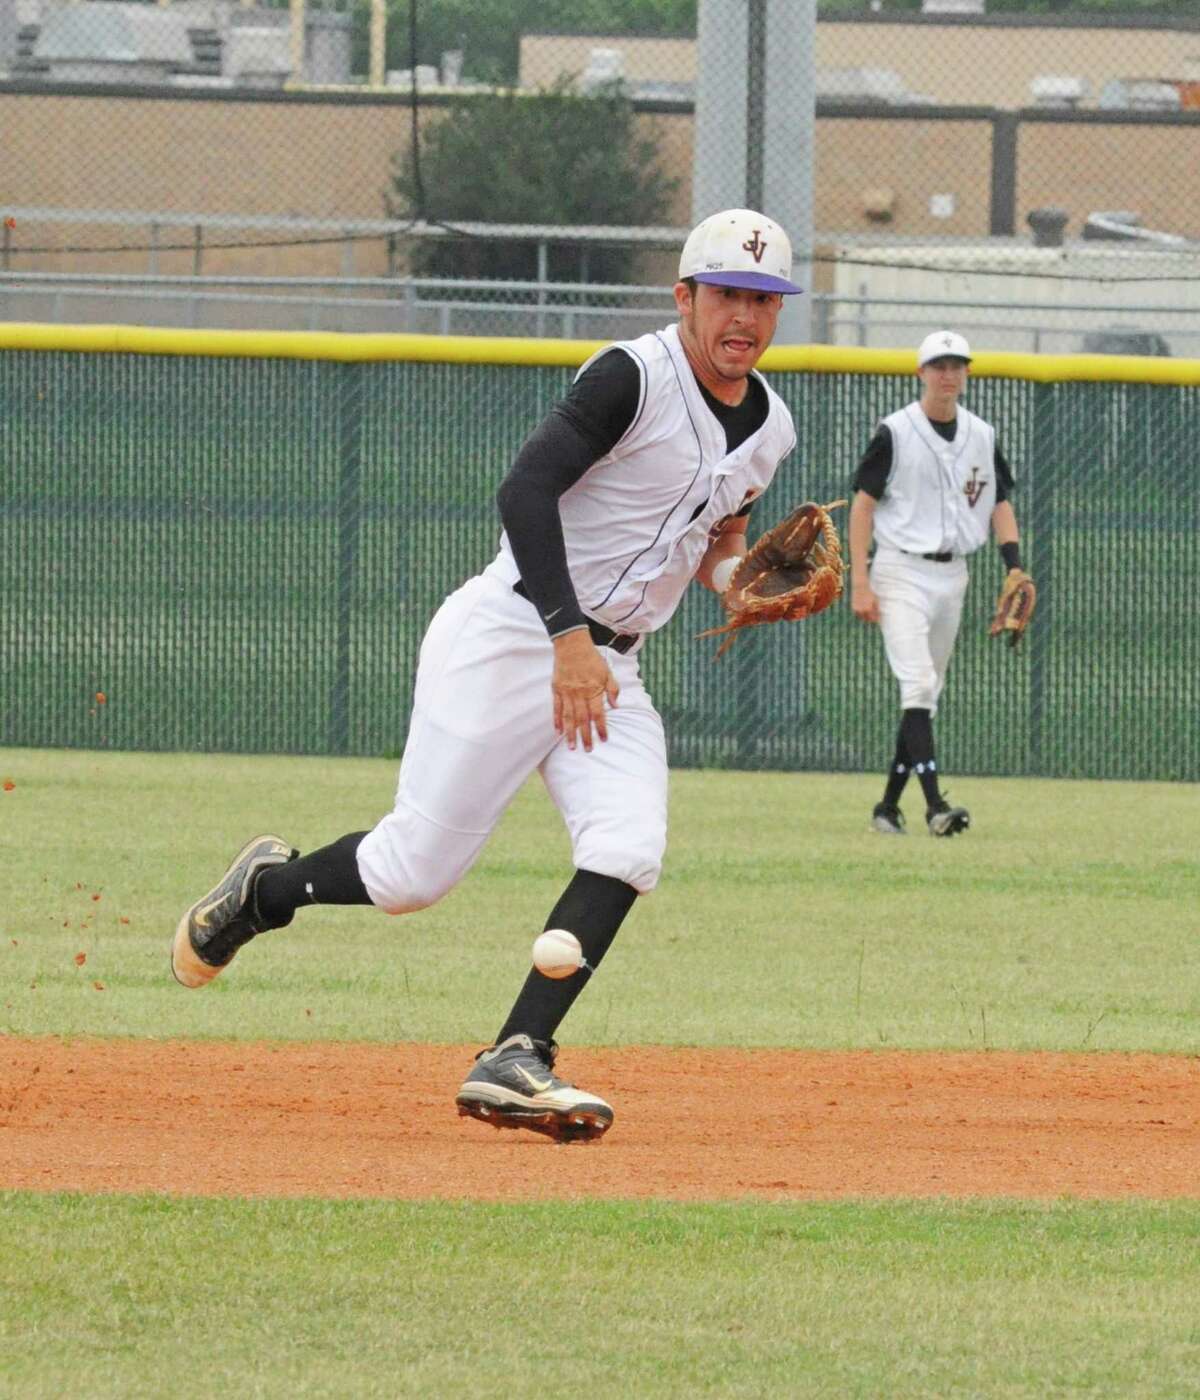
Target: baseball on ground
x=557 y=953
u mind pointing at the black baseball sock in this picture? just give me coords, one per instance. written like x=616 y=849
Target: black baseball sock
x=916 y=731
x=592 y=907
x=899 y=772
x=325 y=876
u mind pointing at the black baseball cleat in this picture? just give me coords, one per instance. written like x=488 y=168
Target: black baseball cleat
x=888 y=820
x=944 y=820
x=513 y=1085
x=216 y=926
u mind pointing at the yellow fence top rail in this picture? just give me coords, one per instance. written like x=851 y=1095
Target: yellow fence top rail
x=504 y=350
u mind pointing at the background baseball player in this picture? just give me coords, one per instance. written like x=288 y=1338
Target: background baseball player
x=930 y=483
x=640 y=480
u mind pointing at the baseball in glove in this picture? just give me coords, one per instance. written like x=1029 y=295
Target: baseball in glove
x=792 y=571
x=1014 y=607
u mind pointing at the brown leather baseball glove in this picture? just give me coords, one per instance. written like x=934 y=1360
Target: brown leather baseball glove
x=1014 y=607
x=792 y=571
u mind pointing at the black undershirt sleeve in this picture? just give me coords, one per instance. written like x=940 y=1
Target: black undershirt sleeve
x=593 y=417
x=1004 y=476
x=876 y=465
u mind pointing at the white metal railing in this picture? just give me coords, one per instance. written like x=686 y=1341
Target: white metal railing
x=541 y=308
x=200 y=228
x=565 y=310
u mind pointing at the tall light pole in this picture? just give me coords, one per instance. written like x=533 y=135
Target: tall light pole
x=296 y=48
x=378 y=42
x=755 y=125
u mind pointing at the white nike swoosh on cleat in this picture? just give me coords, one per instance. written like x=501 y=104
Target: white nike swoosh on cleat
x=201 y=915
x=537 y=1085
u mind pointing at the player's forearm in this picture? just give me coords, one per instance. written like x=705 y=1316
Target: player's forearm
x=858 y=535
x=1004 y=524
x=726 y=549
x=1008 y=538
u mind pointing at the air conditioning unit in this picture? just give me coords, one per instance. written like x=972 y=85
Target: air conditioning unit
x=1140 y=94
x=861 y=85
x=1124 y=225
x=1058 y=90
x=604 y=67
x=952 y=7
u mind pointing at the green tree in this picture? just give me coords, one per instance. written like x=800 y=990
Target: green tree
x=553 y=156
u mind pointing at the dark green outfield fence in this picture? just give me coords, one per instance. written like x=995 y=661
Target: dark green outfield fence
x=224 y=547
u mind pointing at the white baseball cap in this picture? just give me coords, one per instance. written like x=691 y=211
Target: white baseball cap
x=943 y=345
x=739 y=248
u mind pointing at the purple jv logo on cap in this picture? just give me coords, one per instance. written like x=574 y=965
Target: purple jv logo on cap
x=755 y=247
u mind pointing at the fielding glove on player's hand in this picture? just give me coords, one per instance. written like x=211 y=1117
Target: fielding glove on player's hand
x=1014 y=607
x=792 y=571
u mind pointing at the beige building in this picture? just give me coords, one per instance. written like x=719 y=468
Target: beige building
x=957 y=62
x=209 y=160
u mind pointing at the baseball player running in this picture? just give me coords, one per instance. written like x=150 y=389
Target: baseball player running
x=638 y=481
x=930 y=483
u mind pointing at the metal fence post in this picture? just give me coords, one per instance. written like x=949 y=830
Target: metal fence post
x=543 y=276
x=1040 y=528
x=348 y=386
x=1003 y=216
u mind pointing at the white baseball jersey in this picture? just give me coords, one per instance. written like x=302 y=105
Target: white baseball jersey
x=658 y=493
x=636 y=526
x=940 y=495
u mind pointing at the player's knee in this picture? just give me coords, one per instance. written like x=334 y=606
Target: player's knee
x=398 y=883
x=408 y=863
x=642 y=875
x=919 y=691
x=407 y=893
x=639 y=867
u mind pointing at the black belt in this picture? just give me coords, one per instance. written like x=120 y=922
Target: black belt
x=601 y=635
x=937 y=558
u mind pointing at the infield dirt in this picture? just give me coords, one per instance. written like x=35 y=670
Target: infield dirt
x=346 y=1120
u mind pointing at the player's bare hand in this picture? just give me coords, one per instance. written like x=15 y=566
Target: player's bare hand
x=582 y=682
x=864 y=603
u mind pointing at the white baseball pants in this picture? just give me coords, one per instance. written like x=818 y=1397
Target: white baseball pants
x=482 y=722
x=920 y=608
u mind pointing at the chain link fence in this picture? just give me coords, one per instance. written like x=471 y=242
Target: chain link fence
x=511 y=167
x=219 y=553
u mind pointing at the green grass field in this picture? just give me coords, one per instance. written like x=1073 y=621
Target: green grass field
x=1066 y=919
x=121 y=1296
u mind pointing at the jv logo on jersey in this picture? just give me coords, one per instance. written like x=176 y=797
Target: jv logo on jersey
x=974 y=487
x=755 y=247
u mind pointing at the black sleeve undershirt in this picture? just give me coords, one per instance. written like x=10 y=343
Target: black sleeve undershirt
x=1004 y=477
x=584 y=426
x=592 y=418
x=876 y=465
